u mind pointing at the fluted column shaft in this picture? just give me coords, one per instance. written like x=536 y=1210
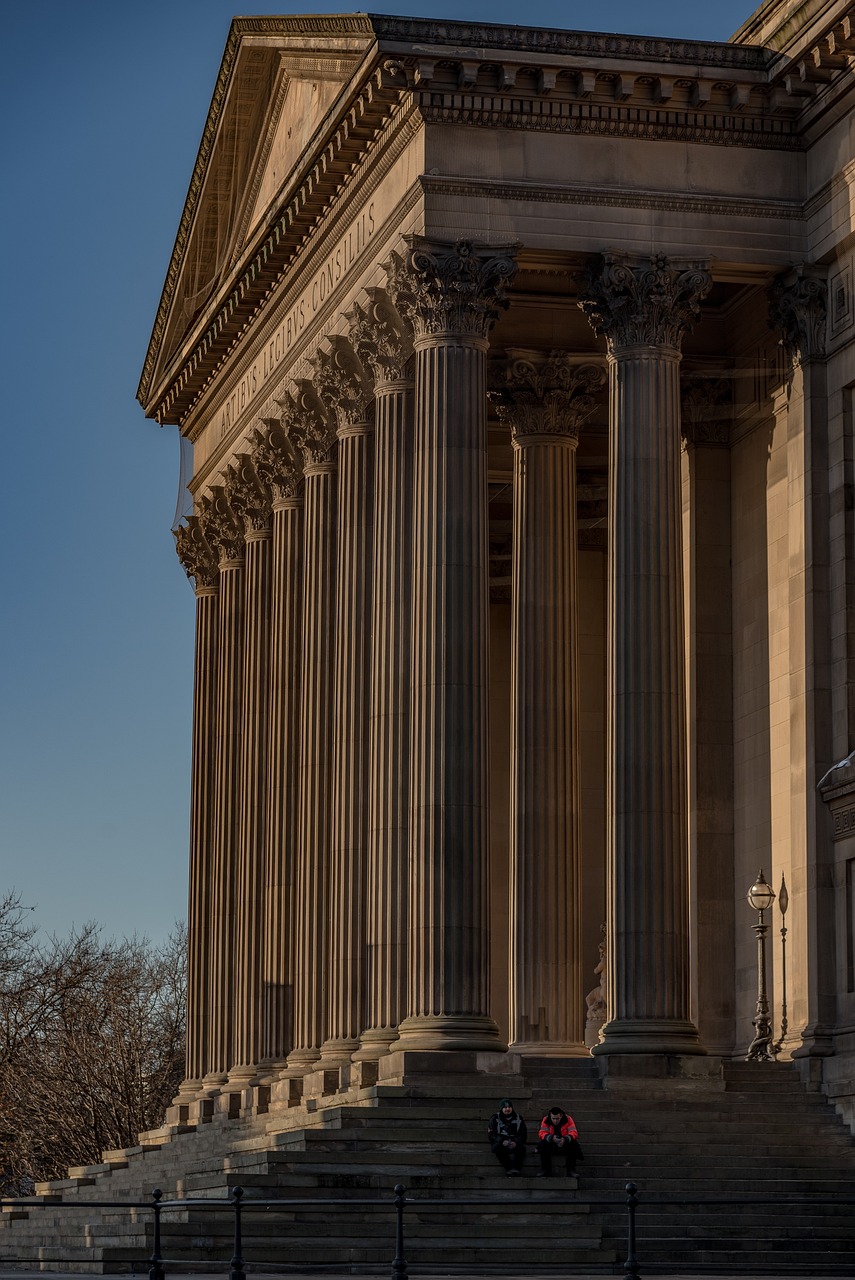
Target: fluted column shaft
x=546 y=1004
x=201 y=831
x=229 y=738
x=644 y=307
x=316 y=726
x=388 y=795
x=247 y=1049
x=348 y=881
x=283 y=777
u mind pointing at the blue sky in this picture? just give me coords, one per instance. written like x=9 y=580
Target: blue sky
x=102 y=107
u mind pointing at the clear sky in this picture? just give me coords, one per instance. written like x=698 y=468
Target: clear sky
x=102 y=104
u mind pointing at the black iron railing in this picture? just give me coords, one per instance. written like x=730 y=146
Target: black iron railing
x=238 y=1206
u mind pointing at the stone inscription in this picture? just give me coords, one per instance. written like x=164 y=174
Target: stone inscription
x=304 y=308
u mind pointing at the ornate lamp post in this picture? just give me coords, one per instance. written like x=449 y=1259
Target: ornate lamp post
x=761 y=895
x=783 y=903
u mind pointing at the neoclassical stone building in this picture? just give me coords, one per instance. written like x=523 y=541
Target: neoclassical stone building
x=518 y=371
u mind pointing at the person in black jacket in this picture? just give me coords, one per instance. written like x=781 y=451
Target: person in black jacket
x=507 y=1134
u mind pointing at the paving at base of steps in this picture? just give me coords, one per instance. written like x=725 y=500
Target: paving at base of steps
x=9 y=1273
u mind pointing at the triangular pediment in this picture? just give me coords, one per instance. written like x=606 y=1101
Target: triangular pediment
x=278 y=84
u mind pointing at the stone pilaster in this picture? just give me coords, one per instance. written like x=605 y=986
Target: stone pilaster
x=250 y=500
x=280 y=467
x=799 y=304
x=314 y=435
x=383 y=347
x=545 y=400
x=341 y=384
x=223 y=530
x=200 y=563
x=449 y=294
x=643 y=307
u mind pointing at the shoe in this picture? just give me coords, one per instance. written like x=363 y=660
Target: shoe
x=541 y=1174
x=513 y=1173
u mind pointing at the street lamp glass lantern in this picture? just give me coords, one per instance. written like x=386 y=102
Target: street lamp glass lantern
x=761 y=895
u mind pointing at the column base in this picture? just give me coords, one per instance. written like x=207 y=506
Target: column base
x=300 y=1062
x=447 y=1032
x=375 y=1043
x=649 y=1035
x=661 y=1075
x=336 y=1053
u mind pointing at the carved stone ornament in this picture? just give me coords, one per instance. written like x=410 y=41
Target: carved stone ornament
x=198 y=558
x=223 y=529
x=249 y=498
x=798 y=305
x=705 y=409
x=546 y=394
x=341 y=384
x=455 y=289
x=277 y=461
x=308 y=426
x=637 y=301
x=379 y=340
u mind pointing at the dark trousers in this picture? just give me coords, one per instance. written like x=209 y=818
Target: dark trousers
x=510 y=1157
x=569 y=1153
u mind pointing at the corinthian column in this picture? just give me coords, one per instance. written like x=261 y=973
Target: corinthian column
x=341 y=384
x=223 y=530
x=449 y=295
x=280 y=467
x=382 y=347
x=200 y=563
x=314 y=434
x=250 y=500
x=545 y=401
x=643 y=307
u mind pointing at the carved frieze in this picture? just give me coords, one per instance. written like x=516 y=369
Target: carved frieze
x=798 y=306
x=450 y=288
x=341 y=384
x=644 y=301
x=198 y=558
x=379 y=339
x=277 y=461
x=546 y=394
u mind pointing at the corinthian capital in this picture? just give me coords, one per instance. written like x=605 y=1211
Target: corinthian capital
x=308 y=426
x=546 y=394
x=798 y=303
x=223 y=530
x=340 y=383
x=452 y=289
x=248 y=496
x=198 y=558
x=644 y=301
x=277 y=461
x=379 y=340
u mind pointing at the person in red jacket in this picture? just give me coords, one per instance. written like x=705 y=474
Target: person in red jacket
x=559 y=1137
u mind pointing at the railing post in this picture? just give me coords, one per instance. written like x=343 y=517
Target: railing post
x=630 y=1267
x=237 y=1272
x=399 y=1266
x=156 y=1271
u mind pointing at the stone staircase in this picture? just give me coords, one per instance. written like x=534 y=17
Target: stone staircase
x=757 y=1131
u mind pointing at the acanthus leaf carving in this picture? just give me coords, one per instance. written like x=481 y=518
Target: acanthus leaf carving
x=307 y=425
x=379 y=339
x=455 y=289
x=223 y=529
x=248 y=496
x=546 y=393
x=798 y=307
x=705 y=408
x=277 y=461
x=644 y=301
x=198 y=558
x=341 y=384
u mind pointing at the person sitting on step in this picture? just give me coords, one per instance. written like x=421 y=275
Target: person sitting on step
x=507 y=1135
x=558 y=1136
